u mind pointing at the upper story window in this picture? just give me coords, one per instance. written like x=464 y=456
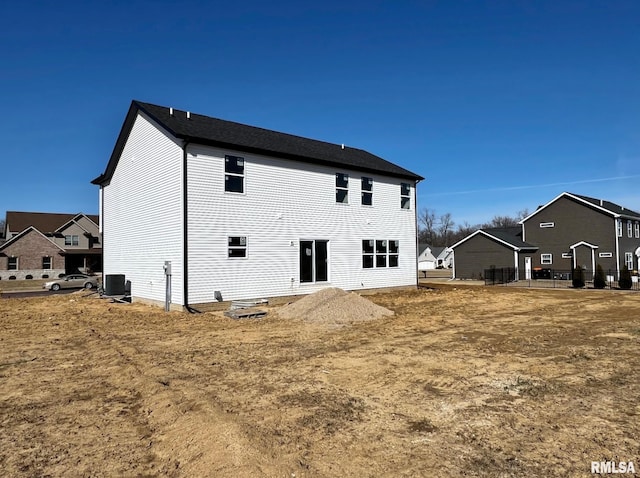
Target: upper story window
x=46 y=262
x=237 y=246
x=629 y=229
x=12 y=264
x=547 y=224
x=405 y=195
x=233 y=174
x=619 y=226
x=71 y=240
x=637 y=230
x=546 y=259
x=342 y=188
x=367 y=191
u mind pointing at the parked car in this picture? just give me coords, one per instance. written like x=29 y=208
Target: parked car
x=72 y=281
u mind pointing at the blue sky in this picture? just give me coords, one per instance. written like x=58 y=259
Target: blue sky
x=501 y=105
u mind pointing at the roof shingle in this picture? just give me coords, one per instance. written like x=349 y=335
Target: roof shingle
x=227 y=134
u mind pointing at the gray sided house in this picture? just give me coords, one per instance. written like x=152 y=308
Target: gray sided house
x=579 y=231
x=241 y=212
x=569 y=231
x=490 y=248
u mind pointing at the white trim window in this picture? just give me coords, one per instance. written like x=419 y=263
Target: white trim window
x=367 y=191
x=605 y=254
x=629 y=229
x=546 y=259
x=405 y=195
x=545 y=225
x=342 y=188
x=71 y=240
x=12 y=263
x=637 y=227
x=628 y=260
x=46 y=263
x=619 y=227
x=237 y=247
x=233 y=174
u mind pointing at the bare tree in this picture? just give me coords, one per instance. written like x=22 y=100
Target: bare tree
x=445 y=229
x=428 y=232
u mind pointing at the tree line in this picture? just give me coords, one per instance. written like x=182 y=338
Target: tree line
x=442 y=231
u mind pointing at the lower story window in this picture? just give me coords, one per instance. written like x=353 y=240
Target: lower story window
x=46 y=262
x=12 y=264
x=546 y=259
x=628 y=260
x=237 y=247
x=377 y=253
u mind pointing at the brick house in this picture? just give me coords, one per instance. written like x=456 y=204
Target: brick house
x=46 y=245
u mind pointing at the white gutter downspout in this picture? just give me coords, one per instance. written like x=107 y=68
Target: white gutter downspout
x=615 y=225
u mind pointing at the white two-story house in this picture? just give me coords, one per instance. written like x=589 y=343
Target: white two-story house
x=242 y=212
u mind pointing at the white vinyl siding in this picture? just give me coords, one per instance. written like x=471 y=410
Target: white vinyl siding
x=142 y=222
x=286 y=203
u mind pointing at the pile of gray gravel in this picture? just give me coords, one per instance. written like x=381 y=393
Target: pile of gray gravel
x=335 y=307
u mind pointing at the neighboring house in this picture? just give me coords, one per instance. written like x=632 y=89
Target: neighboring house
x=46 y=245
x=490 y=248
x=569 y=231
x=573 y=230
x=426 y=258
x=445 y=258
x=240 y=212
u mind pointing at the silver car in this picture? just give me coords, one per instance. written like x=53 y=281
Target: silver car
x=72 y=281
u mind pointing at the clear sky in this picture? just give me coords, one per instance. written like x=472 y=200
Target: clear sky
x=501 y=105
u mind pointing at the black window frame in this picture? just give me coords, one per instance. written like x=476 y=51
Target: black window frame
x=405 y=196
x=342 y=188
x=48 y=259
x=380 y=253
x=237 y=247
x=366 y=185
x=13 y=263
x=234 y=174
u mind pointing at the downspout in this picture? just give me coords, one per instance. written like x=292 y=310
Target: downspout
x=185 y=235
x=615 y=225
x=415 y=207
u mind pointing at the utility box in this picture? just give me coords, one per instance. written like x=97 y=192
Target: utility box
x=114 y=284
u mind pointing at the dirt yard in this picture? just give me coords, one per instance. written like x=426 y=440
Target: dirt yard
x=466 y=381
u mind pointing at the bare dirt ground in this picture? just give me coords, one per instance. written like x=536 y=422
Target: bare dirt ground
x=460 y=381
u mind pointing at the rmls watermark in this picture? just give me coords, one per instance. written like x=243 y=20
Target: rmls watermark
x=612 y=467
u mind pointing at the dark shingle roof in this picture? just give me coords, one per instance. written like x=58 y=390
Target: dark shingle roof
x=608 y=205
x=227 y=134
x=510 y=235
x=45 y=222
